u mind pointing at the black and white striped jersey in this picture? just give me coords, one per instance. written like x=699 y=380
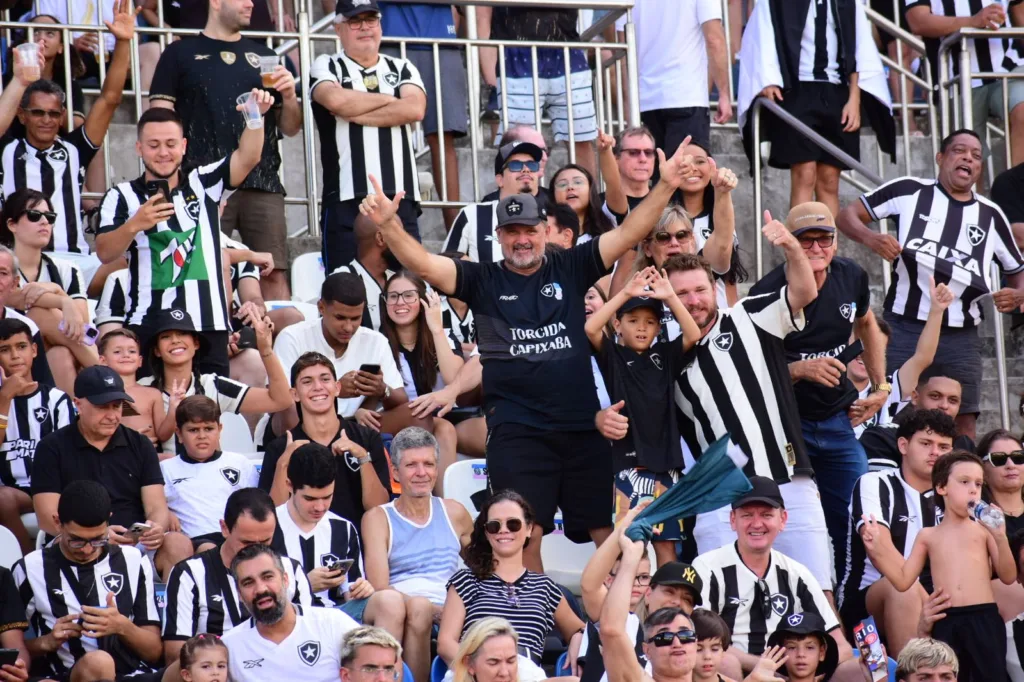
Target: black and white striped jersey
x=459 y=329
x=953 y=240
x=332 y=538
x=57 y=172
x=474 y=233
x=63 y=273
x=752 y=606
x=113 y=304
x=202 y=596
x=52 y=586
x=819 y=44
x=349 y=151
x=32 y=417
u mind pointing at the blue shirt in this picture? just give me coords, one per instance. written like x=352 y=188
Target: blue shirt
x=416 y=20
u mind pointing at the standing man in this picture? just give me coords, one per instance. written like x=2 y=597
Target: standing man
x=825 y=397
x=948 y=232
x=173 y=243
x=363 y=104
x=200 y=78
x=374 y=264
x=539 y=396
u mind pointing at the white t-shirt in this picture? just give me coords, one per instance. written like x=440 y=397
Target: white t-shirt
x=197 y=491
x=312 y=652
x=366 y=347
x=671 y=51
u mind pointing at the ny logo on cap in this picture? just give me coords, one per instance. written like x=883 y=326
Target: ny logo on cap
x=795 y=619
x=689 y=574
x=109 y=381
x=178 y=315
x=514 y=208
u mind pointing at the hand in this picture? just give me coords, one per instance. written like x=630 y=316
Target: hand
x=610 y=423
x=368 y=418
x=722 y=179
x=675 y=170
x=74 y=321
x=637 y=284
x=865 y=408
x=933 y=610
x=377 y=207
x=32 y=291
x=20 y=69
x=264 y=100
x=864 y=669
x=824 y=371
x=573 y=653
x=605 y=142
x=941 y=296
x=87 y=42
x=1008 y=299
x=173 y=522
x=885 y=245
x=440 y=402
x=153 y=538
x=869 y=533
x=433 y=312
x=101 y=622
x=123 y=26
x=251 y=309
x=14 y=673
x=119 y=535
x=12 y=386
x=264 y=330
x=772 y=92
x=851 y=114
x=65 y=628
x=155 y=211
x=661 y=288
x=991 y=17
x=631 y=548
x=233 y=348
x=623 y=522
x=345 y=445
x=264 y=261
x=347 y=385
x=360 y=589
x=778 y=234
x=177 y=394
x=284 y=81
x=370 y=385
x=769 y=663
x=322 y=578
x=288 y=26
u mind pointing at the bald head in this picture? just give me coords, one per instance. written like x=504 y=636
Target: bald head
x=365 y=229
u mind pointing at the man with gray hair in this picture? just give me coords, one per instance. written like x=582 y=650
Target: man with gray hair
x=255 y=656
x=368 y=651
x=412 y=544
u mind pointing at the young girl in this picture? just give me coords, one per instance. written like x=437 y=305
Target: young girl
x=204 y=658
x=119 y=349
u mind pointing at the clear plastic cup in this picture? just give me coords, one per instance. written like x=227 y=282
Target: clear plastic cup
x=29 y=53
x=267 y=67
x=250 y=111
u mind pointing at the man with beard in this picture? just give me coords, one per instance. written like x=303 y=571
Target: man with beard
x=374 y=264
x=317 y=632
x=167 y=223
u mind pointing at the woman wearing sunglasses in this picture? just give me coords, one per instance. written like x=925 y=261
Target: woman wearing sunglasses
x=574 y=186
x=496 y=583
x=1003 y=456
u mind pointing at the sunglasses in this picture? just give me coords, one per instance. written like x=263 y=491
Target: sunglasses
x=35 y=216
x=685 y=636
x=637 y=153
x=81 y=543
x=517 y=166
x=45 y=113
x=680 y=236
x=999 y=459
x=824 y=242
x=494 y=527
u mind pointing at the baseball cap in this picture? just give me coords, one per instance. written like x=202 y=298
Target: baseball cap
x=520 y=209
x=350 y=8
x=511 y=148
x=764 y=491
x=682 y=575
x=803 y=625
x=652 y=304
x=100 y=385
x=175 y=319
x=810 y=215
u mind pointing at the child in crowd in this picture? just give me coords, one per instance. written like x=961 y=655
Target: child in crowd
x=641 y=373
x=962 y=554
x=713 y=639
x=119 y=349
x=198 y=481
x=28 y=412
x=204 y=658
x=811 y=653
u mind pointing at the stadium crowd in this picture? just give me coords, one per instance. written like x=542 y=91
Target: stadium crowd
x=592 y=346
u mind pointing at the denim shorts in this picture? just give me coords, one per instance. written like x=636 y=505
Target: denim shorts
x=354 y=608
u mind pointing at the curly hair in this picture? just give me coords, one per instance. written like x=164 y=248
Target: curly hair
x=478 y=555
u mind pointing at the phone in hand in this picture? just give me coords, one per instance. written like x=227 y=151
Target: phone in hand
x=137 y=530
x=343 y=565
x=370 y=369
x=851 y=352
x=8 y=656
x=89 y=336
x=154 y=187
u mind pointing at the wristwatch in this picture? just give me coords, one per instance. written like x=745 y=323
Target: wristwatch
x=884 y=386
x=365 y=459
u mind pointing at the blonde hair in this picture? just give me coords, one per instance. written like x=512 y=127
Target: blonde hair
x=478 y=635
x=923 y=652
x=367 y=635
x=673 y=213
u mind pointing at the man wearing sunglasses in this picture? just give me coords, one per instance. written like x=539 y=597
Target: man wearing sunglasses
x=517 y=170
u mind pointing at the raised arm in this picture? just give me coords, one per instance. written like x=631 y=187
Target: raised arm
x=887 y=559
x=250 y=144
x=410 y=107
x=277 y=395
x=618 y=647
x=10 y=100
x=289 y=120
x=447 y=361
x=614 y=195
x=928 y=342
x=801 y=288
x=598 y=321
x=1003 y=562
x=663 y=292
x=719 y=245
x=866 y=329
x=102 y=111
x=601 y=564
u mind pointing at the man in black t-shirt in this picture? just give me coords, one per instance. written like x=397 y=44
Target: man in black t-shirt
x=825 y=397
x=200 y=78
x=539 y=397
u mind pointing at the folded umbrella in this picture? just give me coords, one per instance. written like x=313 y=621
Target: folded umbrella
x=715 y=481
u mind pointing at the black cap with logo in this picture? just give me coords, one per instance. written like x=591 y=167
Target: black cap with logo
x=520 y=209
x=351 y=8
x=763 y=491
x=677 y=573
x=807 y=624
x=174 y=319
x=100 y=385
x=652 y=304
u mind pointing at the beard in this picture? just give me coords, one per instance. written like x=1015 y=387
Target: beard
x=392 y=262
x=523 y=259
x=152 y=171
x=270 y=615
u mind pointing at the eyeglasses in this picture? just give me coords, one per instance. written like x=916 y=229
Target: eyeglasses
x=680 y=236
x=637 y=153
x=575 y=182
x=356 y=23
x=494 y=527
x=55 y=114
x=387 y=671
x=35 y=216
x=999 y=459
x=81 y=543
x=517 y=166
x=824 y=242
x=641 y=579
x=410 y=296
x=685 y=636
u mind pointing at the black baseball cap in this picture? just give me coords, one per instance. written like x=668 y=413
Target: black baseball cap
x=764 y=491
x=652 y=304
x=511 y=148
x=804 y=625
x=682 y=575
x=520 y=209
x=351 y=8
x=175 y=319
x=100 y=385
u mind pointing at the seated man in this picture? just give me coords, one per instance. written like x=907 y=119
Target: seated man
x=97 y=447
x=31 y=411
x=104 y=623
x=192 y=606
x=369 y=648
x=362 y=470
x=412 y=545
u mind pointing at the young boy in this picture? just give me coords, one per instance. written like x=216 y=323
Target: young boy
x=640 y=373
x=28 y=412
x=962 y=554
x=199 y=481
x=119 y=349
x=811 y=653
x=713 y=639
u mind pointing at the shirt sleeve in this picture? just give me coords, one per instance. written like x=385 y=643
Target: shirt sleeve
x=20 y=575
x=878 y=443
x=113 y=211
x=62 y=410
x=111 y=307
x=1005 y=248
x=250 y=477
x=355 y=553
x=811 y=598
x=392 y=377
x=889 y=199
x=216 y=178
x=287 y=349
x=71 y=280
x=707 y=579
x=273 y=452
x=303 y=592
x=230 y=393
x=586 y=263
x=771 y=312
x=323 y=71
x=165 y=78
x=863 y=293
x=468 y=281
x=46 y=466
x=144 y=611
x=867 y=498
x=410 y=75
x=465 y=584
x=12 y=610
x=151 y=474
x=708 y=10
x=180 y=619
x=374 y=446
x=86 y=148
x=463 y=229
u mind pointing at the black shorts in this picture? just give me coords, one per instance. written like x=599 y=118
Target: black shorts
x=671 y=126
x=570 y=470
x=337 y=221
x=977 y=635
x=819 y=105
x=199 y=540
x=853 y=610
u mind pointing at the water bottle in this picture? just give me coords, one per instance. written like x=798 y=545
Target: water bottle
x=987 y=514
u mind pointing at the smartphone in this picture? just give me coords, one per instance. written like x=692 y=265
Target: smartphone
x=159 y=187
x=851 y=352
x=340 y=564
x=137 y=530
x=89 y=336
x=865 y=635
x=370 y=369
x=8 y=656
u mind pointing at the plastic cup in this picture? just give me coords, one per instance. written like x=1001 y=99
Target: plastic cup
x=268 y=65
x=29 y=53
x=250 y=111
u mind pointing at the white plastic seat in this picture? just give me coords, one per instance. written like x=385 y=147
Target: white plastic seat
x=236 y=436
x=308 y=310
x=563 y=559
x=464 y=478
x=31 y=522
x=307 y=277
x=10 y=550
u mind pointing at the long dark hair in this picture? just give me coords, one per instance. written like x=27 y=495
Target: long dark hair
x=984 y=447
x=20 y=201
x=595 y=222
x=423 y=361
x=478 y=555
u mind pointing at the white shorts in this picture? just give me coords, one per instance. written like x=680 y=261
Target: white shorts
x=553 y=104
x=805 y=538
